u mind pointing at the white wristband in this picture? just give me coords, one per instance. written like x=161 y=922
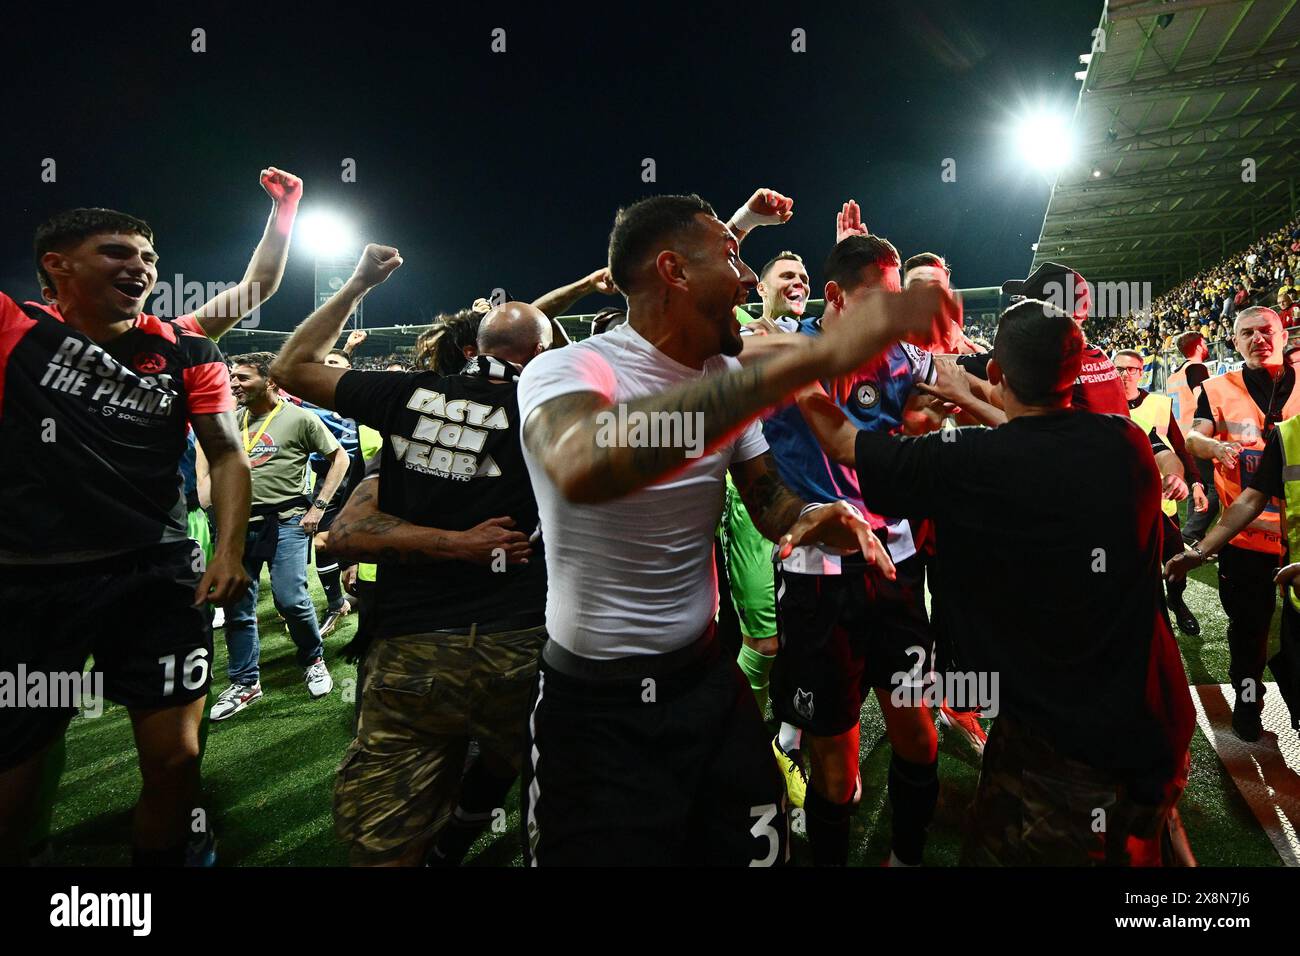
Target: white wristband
x=745 y=219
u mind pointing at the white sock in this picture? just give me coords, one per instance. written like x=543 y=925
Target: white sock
x=790 y=737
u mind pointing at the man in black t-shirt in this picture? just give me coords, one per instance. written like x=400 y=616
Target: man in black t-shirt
x=460 y=592
x=1093 y=704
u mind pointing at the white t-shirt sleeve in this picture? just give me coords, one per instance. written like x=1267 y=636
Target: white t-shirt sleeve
x=750 y=443
x=561 y=372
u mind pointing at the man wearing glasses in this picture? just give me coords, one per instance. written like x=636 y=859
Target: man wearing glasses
x=1235 y=415
x=1155 y=412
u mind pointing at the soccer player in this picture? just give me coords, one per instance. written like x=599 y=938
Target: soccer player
x=1235 y=415
x=278 y=438
x=645 y=744
x=462 y=608
x=97 y=397
x=847 y=628
x=1099 y=715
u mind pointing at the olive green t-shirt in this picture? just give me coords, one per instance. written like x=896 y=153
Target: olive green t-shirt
x=278 y=456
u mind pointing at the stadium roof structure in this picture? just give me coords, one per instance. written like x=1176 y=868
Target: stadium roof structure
x=1187 y=139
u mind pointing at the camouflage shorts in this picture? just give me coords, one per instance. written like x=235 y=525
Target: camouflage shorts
x=424 y=697
x=1034 y=807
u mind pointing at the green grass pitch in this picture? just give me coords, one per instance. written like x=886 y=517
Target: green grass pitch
x=269 y=771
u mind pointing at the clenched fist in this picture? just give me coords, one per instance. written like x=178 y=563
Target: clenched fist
x=377 y=263
x=284 y=188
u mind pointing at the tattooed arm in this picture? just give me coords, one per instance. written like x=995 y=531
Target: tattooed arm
x=771 y=505
x=362 y=532
x=580 y=438
x=779 y=515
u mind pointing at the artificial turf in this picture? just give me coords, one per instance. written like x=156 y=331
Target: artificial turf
x=269 y=771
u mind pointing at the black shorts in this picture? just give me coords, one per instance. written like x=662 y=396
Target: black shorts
x=843 y=634
x=133 y=612
x=678 y=771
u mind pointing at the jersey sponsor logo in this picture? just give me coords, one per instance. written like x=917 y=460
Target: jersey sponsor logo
x=79 y=367
x=868 y=395
x=803 y=703
x=265 y=449
x=149 y=363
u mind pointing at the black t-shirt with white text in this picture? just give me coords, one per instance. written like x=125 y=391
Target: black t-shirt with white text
x=451 y=459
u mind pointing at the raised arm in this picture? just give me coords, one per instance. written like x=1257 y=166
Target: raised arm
x=262 y=278
x=224 y=579
x=362 y=532
x=556 y=302
x=300 y=366
x=829 y=425
x=581 y=440
x=766 y=207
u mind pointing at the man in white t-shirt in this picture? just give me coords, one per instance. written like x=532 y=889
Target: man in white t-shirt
x=645 y=744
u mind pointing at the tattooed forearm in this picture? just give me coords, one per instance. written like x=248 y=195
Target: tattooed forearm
x=585 y=445
x=364 y=533
x=771 y=505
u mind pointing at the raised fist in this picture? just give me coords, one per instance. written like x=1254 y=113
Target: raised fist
x=377 y=263
x=284 y=188
x=356 y=337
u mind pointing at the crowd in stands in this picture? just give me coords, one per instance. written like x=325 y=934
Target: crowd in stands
x=1262 y=274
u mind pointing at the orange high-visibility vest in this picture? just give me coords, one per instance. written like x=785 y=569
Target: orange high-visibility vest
x=1238 y=418
x=1182 y=396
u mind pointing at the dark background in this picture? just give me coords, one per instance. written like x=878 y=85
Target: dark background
x=505 y=169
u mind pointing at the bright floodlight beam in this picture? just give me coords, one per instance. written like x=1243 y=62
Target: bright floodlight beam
x=1044 y=141
x=326 y=234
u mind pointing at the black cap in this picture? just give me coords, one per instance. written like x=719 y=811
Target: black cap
x=1034 y=286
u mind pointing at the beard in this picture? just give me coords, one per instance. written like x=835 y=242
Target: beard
x=731 y=343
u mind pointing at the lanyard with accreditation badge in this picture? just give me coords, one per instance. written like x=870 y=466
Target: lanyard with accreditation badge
x=248 y=445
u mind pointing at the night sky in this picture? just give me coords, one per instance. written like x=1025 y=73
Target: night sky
x=505 y=169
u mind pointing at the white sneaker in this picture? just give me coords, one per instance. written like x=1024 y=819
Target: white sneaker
x=319 y=682
x=234 y=699
x=218 y=617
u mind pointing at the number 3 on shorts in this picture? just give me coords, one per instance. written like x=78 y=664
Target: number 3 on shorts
x=766 y=813
x=195 y=660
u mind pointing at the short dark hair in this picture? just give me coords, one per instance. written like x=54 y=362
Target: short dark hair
x=70 y=227
x=1188 y=342
x=343 y=355
x=1040 y=350
x=645 y=226
x=926 y=259
x=767 y=266
x=258 y=360
x=853 y=254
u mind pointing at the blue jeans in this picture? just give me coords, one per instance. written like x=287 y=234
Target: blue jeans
x=289 y=589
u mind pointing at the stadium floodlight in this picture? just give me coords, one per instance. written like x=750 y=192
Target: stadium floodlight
x=326 y=235
x=1044 y=140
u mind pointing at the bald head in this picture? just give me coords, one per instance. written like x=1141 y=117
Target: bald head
x=514 y=331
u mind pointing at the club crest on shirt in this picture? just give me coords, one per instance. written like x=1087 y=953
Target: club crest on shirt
x=149 y=363
x=868 y=395
x=803 y=703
